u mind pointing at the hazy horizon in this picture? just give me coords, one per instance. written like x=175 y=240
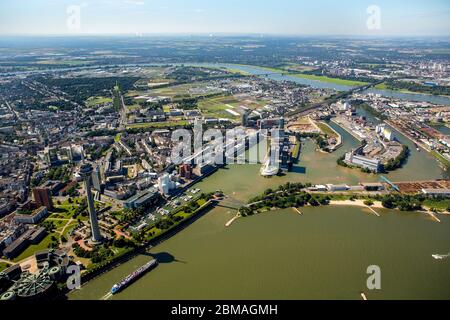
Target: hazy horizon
x=232 y=17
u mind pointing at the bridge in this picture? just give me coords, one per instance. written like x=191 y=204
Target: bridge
x=235 y=204
x=389 y=182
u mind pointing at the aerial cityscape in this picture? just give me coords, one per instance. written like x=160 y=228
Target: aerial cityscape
x=187 y=160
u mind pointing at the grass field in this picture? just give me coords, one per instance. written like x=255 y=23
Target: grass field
x=438 y=204
x=64 y=62
x=66 y=209
x=69 y=228
x=297 y=67
x=296 y=151
x=330 y=80
x=326 y=129
x=3 y=266
x=175 y=92
x=93 y=101
x=237 y=71
x=216 y=107
x=182 y=91
x=44 y=244
x=381 y=86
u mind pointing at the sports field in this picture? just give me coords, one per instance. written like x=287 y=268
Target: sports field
x=93 y=101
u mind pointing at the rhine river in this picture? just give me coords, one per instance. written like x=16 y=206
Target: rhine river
x=322 y=254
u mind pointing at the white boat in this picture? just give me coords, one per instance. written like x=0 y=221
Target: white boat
x=133 y=276
x=440 y=256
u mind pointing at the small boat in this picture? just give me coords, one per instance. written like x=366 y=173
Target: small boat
x=440 y=256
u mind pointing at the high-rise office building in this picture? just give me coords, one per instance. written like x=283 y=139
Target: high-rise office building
x=43 y=197
x=185 y=171
x=97 y=179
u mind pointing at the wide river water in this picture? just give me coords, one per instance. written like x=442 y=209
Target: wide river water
x=322 y=254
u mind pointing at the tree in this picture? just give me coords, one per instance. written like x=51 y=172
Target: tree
x=314 y=202
x=48 y=225
x=388 y=203
x=369 y=202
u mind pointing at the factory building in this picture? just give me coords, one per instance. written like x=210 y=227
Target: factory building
x=363 y=162
x=385 y=132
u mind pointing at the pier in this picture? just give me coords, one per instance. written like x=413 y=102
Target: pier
x=433 y=216
x=230 y=222
x=374 y=212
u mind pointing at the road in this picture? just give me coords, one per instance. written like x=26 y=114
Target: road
x=123 y=114
x=7 y=261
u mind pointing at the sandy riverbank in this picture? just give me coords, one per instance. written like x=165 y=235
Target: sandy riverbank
x=350 y=203
x=356 y=203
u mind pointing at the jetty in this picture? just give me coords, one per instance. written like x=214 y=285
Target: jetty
x=230 y=222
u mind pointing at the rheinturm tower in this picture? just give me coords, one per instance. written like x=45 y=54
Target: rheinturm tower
x=85 y=173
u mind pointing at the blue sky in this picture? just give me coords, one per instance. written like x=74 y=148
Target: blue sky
x=290 y=17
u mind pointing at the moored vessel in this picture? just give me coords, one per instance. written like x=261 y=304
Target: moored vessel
x=133 y=276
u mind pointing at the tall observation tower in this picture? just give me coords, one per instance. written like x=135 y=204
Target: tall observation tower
x=85 y=173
